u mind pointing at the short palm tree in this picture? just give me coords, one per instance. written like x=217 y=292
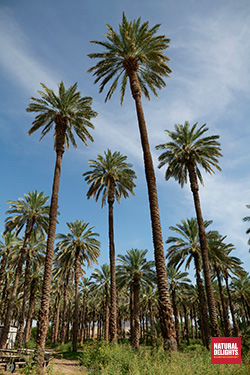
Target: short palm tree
x=135 y=271
x=80 y=245
x=64 y=113
x=32 y=213
x=187 y=151
x=177 y=281
x=112 y=178
x=136 y=54
x=101 y=284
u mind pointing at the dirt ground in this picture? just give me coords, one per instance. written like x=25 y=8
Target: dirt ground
x=58 y=366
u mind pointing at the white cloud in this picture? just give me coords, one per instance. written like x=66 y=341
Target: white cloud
x=17 y=59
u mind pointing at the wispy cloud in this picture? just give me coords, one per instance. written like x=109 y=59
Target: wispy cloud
x=17 y=59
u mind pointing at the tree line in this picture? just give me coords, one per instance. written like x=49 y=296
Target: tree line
x=134 y=55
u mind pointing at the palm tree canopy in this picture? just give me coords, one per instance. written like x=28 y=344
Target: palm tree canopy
x=81 y=236
x=188 y=146
x=110 y=167
x=186 y=243
x=68 y=105
x=135 y=267
x=135 y=47
x=30 y=209
x=177 y=280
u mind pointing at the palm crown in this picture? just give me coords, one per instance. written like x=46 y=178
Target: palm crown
x=188 y=146
x=68 y=105
x=81 y=236
x=112 y=166
x=134 y=48
x=24 y=211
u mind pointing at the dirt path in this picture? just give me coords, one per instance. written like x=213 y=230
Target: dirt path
x=62 y=366
x=58 y=366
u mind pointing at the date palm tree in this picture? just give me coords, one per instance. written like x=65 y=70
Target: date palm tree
x=177 y=281
x=187 y=151
x=32 y=213
x=135 y=271
x=100 y=283
x=80 y=245
x=185 y=248
x=64 y=113
x=136 y=54
x=112 y=177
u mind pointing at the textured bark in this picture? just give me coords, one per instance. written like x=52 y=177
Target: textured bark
x=235 y=325
x=113 y=296
x=176 y=320
x=131 y=310
x=204 y=251
x=4 y=299
x=65 y=293
x=136 y=293
x=76 y=311
x=56 y=318
x=227 y=326
x=7 y=321
x=27 y=332
x=106 y=315
x=187 y=332
x=204 y=323
x=20 y=333
x=3 y=265
x=165 y=308
x=43 y=317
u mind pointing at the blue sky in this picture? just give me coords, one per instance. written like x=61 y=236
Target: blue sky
x=48 y=41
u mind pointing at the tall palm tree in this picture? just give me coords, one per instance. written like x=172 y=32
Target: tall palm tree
x=185 y=247
x=32 y=213
x=177 y=281
x=135 y=54
x=135 y=271
x=112 y=177
x=187 y=151
x=101 y=284
x=64 y=113
x=80 y=245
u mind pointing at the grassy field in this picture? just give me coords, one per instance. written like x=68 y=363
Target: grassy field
x=104 y=359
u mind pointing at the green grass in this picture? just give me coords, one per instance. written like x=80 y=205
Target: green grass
x=103 y=359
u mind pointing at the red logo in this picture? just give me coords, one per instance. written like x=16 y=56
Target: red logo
x=226 y=350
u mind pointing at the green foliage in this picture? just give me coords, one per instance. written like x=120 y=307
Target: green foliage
x=105 y=359
x=30 y=368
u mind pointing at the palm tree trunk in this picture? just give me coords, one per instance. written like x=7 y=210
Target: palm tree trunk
x=176 y=320
x=204 y=323
x=20 y=334
x=136 y=336
x=4 y=260
x=235 y=325
x=113 y=296
x=32 y=299
x=56 y=319
x=186 y=323
x=131 y=308
x=76 y=311
x=7 y=322
x=106 y=315
x=204 y=251
x=65 y=292
x=166 y=313
x=43 y=316
x=227 y=326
